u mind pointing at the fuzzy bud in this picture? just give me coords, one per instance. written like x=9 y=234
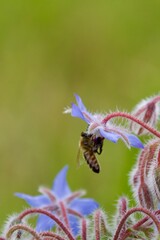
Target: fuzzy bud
x=154 y=177
x=145 y=177
x=148 y=111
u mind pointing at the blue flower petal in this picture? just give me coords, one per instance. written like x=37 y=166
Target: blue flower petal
x=74 y=224
x=34 y=201
x=134 y=141
x=85 y=206
x=60 y=186
x=44 y=223
x=80 y=103
x=76 y=112
x=113 y=137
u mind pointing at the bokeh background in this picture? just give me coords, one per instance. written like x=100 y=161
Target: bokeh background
x=106 y=51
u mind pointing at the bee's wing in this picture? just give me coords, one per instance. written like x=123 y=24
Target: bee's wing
x=80 y=158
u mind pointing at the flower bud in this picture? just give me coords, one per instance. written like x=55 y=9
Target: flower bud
x=145 y=196
x=145 y=176
x=154 y=177
x=148 y=111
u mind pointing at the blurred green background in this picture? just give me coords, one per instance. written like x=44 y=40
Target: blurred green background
x=108 y=52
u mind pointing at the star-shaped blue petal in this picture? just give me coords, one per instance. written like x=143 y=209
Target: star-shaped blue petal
x=61 y=192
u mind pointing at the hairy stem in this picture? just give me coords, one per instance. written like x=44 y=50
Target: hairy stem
x=132 y=118
x=131 y=211
x=51 y=235
x=64 y=213
x=73 y=212
x=97 y=220
x=50 y=215
x=140 y=223
x=25 y=228
x=84 y=229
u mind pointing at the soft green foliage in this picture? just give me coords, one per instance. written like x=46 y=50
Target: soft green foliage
x=106 y=51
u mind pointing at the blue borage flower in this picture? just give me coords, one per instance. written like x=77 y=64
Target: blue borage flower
x=60 y=193
x=98 y=128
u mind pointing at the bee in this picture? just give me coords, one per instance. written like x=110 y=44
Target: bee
x=90 y=145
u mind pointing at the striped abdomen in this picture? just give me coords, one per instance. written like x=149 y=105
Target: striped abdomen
x=92 y=161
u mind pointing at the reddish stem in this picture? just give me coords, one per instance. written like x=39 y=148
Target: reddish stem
x=73 y=212
x=74 y=195
x=64 y=213
x=144 y=220
x=131 y=211
x=132 y=118
x=84 y=229
x=122 y=210
x=122 y=206
x=103 y=224
x=97 y=219
x=50 y=215
x=25 y=228
x=51 y=235
x=49 y=193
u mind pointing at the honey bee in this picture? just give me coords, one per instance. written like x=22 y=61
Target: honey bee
x=89 y=145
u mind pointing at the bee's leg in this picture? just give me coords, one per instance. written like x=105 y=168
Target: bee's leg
x=100 y=148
